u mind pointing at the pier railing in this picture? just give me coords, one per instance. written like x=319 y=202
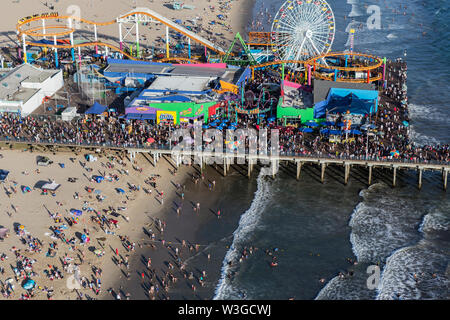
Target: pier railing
x=168 y=149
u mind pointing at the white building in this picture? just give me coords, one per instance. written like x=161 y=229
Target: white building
x=23 y=89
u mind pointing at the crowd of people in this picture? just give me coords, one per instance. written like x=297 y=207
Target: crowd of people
x=389 y=141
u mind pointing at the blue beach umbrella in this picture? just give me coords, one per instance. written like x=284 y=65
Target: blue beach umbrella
x=325 y=131
x=306 y=130
x=28 y=284
x=120 y=190
x=336 y=132
x=75 y=212
x=406 y=123
x=355 y=132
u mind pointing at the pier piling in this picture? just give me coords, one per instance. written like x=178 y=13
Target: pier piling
x=322 y=176
x=445 y=179
x=299 y=169
x=370 y=175
x=420 y=178
x=394 y=179
x=347 y=173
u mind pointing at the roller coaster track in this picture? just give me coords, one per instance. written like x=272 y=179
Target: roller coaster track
x=140 y=11
x=86 y=44
x=313 y=61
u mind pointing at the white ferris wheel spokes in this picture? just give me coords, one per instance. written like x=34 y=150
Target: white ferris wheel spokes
x=303 y=29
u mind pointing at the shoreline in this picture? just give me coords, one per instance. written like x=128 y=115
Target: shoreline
x=195 y=228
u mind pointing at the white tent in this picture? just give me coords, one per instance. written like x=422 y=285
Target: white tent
x=51 y=186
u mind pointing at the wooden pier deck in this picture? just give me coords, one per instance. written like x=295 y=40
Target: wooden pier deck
x=227 y=159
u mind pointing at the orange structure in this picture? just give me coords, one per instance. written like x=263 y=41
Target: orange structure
x=366 y=66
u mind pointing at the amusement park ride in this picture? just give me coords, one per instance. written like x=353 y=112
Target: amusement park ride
x=300 y=40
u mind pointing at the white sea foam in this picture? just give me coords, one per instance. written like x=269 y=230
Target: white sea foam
x=424 y=261
x=436 y=221
x=382 y=223
x=421 y=139
x=427 y=112
x=247 y=224
x=391 y=36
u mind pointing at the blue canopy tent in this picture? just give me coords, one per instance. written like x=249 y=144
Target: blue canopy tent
x=3 y=175
x=97 y=108
x=340 y=100
x=312 y=124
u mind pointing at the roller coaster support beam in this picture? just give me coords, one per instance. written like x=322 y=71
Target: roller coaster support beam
x=120 y=36
x=43 y=28
x=96 y=38
x=309 y=75
x=384 y=72
x=24 y=48
x=137 y=37
x=56 y=52
x=71 y=40
x=189 y=45
x=167 y=43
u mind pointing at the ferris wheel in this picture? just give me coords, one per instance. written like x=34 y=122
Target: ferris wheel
x=303 y=29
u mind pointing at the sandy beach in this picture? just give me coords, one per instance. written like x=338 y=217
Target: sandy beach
x=37 y=211
x=234 y=18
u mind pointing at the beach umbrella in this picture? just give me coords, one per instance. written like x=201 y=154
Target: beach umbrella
x=205 y=126
x=151 y=140
x=406 y=123
x=306 y=130
x=355 y=131
x=98 y=179
x=76 y=212
x=28 y=284
x=336 y=132
x=395 y=153
x=21 y=227
x=120 y=190
x=340 y=124
x=325 y=131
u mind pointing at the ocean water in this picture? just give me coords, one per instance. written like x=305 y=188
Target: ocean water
x=312 y=228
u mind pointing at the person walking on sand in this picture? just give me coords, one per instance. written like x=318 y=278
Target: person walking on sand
x=218 y=214
x=117 y=252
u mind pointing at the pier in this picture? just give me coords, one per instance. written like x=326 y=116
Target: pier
x=227 y=159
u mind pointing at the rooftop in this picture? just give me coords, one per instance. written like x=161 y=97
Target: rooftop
x=322 y=88
x=12 y=83
x=179 y=84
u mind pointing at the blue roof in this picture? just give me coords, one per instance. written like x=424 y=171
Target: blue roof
x=97 y=108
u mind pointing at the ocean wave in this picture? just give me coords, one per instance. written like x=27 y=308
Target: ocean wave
x=420 y=138
x=348 y=288
x=427 y=112
x=415 y=272
x=249 y=221
x=382 y=223
x=436 y=221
